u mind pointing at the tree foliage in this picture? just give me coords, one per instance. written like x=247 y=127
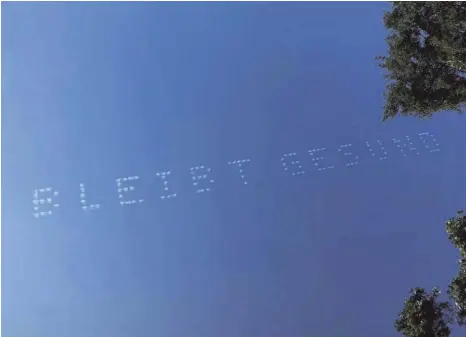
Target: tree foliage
x=456 y=229
x=426 y=73
x=426 y=61
x=423 y=314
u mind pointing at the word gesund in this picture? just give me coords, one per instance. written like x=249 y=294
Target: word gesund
x=44 y=199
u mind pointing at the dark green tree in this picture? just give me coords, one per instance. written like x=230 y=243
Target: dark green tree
x=425 y=72
x=426 y=61
x=424 y=315
x=456 y=230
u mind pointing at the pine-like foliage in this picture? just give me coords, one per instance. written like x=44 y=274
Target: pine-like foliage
x=426 y=61
x=456 y=229
x=424 y=315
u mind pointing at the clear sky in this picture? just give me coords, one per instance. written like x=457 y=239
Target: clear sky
x=96 y=91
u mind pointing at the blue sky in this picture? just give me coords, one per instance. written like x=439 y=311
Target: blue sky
x=96 y=91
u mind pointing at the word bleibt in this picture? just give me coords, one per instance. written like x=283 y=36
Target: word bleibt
x=44 y=204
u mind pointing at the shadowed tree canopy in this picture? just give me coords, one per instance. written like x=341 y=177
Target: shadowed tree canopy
x=423 y=314
x=426 y=61
x=456 y=229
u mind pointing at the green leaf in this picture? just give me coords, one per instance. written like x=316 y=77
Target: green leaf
x=426 y=61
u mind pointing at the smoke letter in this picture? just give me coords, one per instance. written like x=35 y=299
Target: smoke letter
x=408 y=145
x=44 y=202
x=164 y=176
x=435 y=145
x=240 y=163
x=348 y=153
x=197 y=178
x=296 y=163
x=83 y=201
x=316 y=160
x=122 y=190
x=383 y=155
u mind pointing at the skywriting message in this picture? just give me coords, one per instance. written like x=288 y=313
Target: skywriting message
x=45 y=200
